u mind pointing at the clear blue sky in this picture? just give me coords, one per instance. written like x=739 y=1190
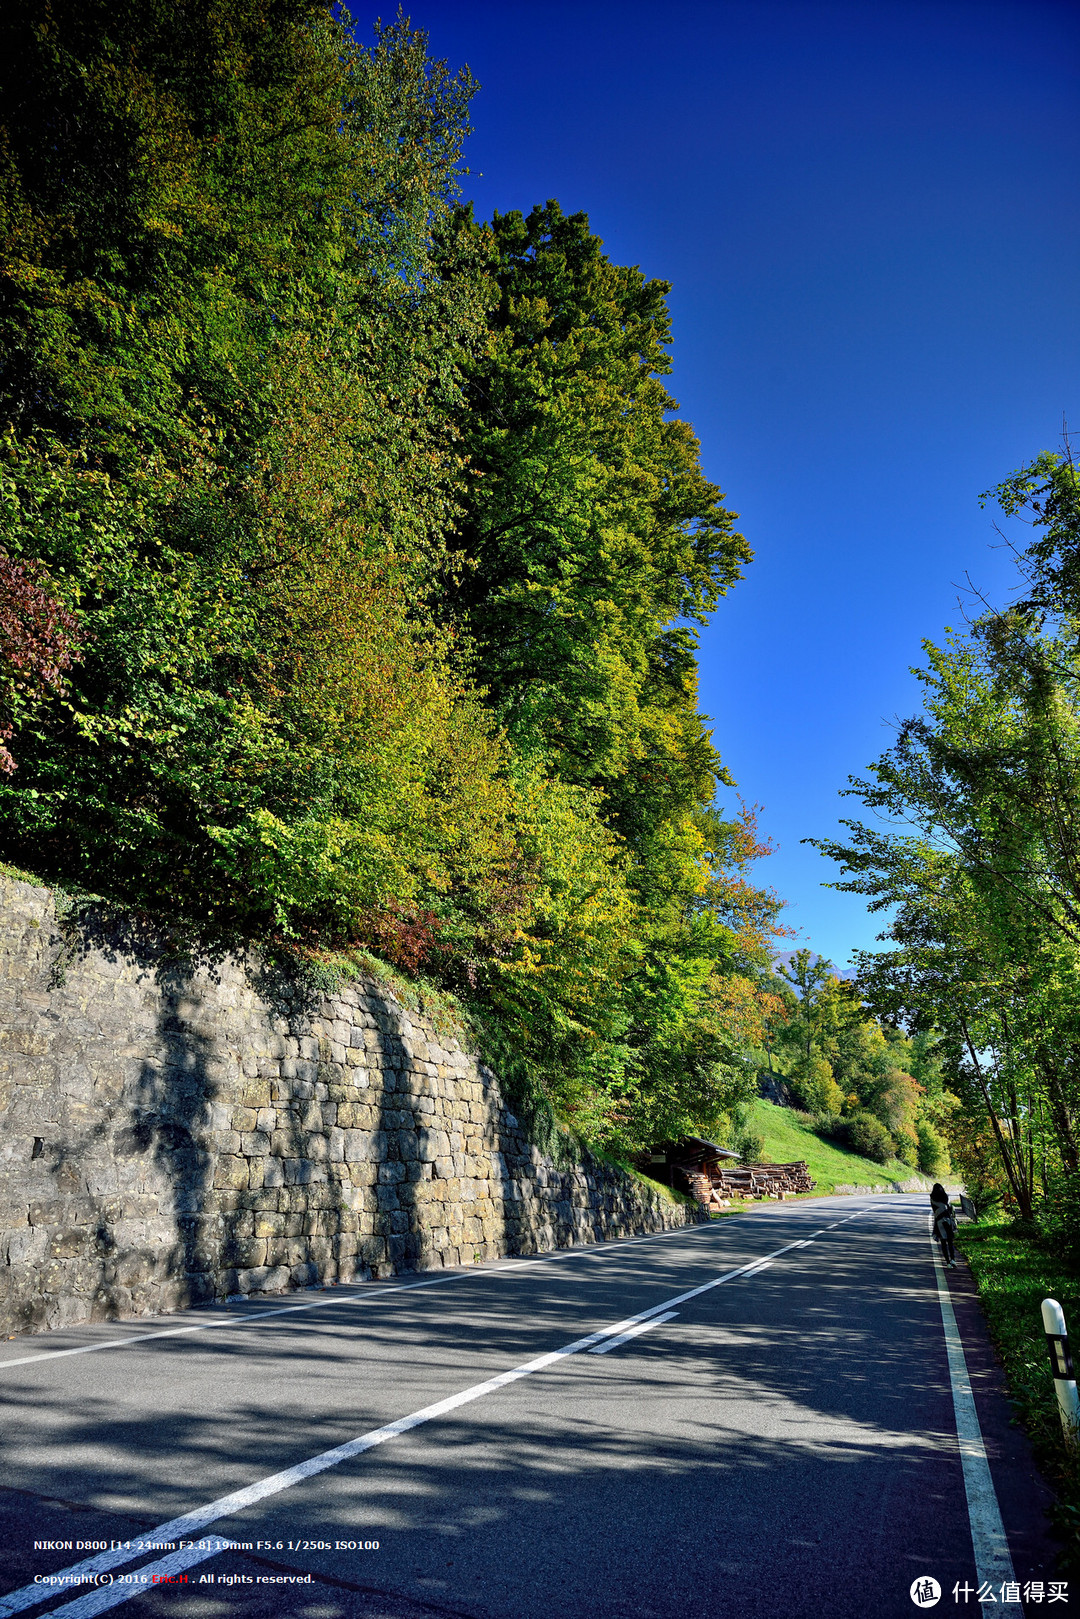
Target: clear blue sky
x=868 y=214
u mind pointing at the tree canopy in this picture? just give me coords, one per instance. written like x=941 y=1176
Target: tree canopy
x=351 y=548
x=974 y=852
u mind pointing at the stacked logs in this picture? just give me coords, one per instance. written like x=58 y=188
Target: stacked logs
x=714 y=1185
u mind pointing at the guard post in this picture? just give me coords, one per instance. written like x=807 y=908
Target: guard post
x=1057 y=1342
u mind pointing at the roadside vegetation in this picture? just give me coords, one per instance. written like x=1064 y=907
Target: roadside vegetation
x=973 y=856
x=787 y=1136
x=351 y=549
x=855 y=1080
x=1014 y=1272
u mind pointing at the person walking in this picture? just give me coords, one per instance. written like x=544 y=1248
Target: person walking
x=944 y=1223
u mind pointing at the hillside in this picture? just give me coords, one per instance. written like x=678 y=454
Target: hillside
x=788 y=1139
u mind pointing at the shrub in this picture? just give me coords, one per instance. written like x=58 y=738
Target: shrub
x=906 y=1146
x=932 y=1158
x=868 y=1136
x=750 y=1147
x=1057 y=1217
x=813 y=1083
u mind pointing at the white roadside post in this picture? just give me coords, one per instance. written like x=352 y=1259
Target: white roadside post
x=1057 y=1342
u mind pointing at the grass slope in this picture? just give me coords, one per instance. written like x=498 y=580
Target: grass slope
x=788 y=1139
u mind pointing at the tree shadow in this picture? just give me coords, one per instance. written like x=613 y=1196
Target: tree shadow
x=788 y=1438
x=186 y=1139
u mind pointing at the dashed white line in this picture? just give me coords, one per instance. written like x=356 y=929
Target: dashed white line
x=106 y=1596
x=592 y=1251
x=635 y=1332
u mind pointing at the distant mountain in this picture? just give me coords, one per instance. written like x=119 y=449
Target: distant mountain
x=785 y=957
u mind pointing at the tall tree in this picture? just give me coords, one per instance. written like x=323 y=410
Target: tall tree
x=589 y=529
x=980 y=851
x=227 y=367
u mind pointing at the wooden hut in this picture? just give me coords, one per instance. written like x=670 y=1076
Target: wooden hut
x=714 y=1175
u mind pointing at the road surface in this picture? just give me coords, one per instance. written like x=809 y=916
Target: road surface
x=658 y=1427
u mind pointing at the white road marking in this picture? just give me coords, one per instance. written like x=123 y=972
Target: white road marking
x=993 y=1562
x=590 y=1251
x=635 y=1332
x=109 y=1595
x=224 y=1321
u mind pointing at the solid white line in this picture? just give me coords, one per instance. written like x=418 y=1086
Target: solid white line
x=225 y=1321
x=993 y=1562
x=598 y=1250
x=225 y=1506
x=590 y=1251
x=635 y=1332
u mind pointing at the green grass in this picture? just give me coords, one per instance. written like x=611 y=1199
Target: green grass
x=787 y=1139
x=21 y=876
x=1014 y=1273
x=668 y=1194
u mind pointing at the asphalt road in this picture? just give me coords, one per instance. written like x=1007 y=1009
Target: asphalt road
x=784 y=1444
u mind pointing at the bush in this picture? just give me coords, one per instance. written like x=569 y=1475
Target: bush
x=1014 y=1273
x=868 y=1136
x=906 y=1147
x=750 y=1147
x=813 y=1083
x=932 y=1158
x=1057 y=1217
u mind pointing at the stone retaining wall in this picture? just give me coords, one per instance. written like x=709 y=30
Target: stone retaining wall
x=173 y=1132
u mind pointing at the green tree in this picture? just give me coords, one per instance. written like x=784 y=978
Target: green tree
x=979 y=854
x=367 y=544
x=229 y=364
x=588 y=536
x=589 y=530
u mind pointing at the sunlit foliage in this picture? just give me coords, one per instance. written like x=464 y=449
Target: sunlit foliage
x=359 y=545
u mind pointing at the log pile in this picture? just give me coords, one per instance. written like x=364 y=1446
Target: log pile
x=714 y=1185
x=714 y=1176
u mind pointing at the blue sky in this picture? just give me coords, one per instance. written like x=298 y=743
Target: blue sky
x=868 y=214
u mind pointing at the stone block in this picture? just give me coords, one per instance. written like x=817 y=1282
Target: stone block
x=110 y=1303
x=244 y=1252
x=224 y=1141
x=134 y=1269
x=303 y=1172
x=263 y=1279
x=361 y=1146
x=68 y=1244
x=231 y=1173
x=25 y=1247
